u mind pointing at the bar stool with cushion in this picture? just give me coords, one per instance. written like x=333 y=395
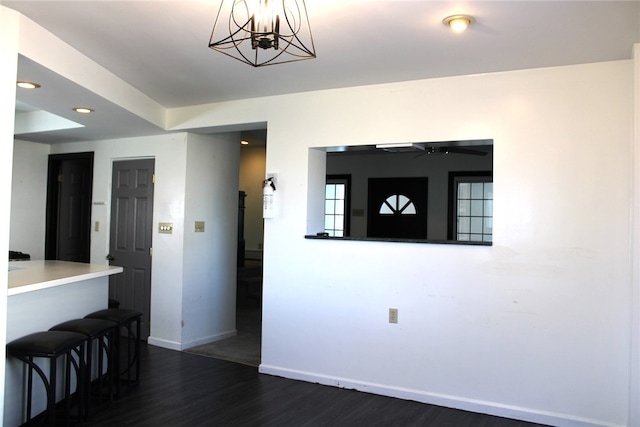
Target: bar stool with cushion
x=125 y=318
x=102 y=335
x=52 y=345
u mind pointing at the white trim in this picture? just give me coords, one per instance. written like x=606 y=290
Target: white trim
x=449 y=401
x=174 y=345
x=158 y=342
x=209 y=339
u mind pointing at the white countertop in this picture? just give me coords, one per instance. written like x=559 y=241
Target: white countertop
x=29 y=276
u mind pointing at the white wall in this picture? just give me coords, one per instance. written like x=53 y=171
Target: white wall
x=634 y=389
x=28 y=198
x=10 y=24
x=193 y=274
x=536 y=326
x=170 y=153
x=209 y=279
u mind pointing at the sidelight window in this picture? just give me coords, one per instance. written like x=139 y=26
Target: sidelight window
x=473 y=208
x=336 y=206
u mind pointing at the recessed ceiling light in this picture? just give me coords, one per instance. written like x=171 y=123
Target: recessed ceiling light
x=83 y=110
x=243 y=142
x=27 y=85
x=458 y=23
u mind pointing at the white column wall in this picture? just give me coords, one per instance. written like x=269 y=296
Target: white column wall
x=535 y=327
x=10 y=24
x=209 y=277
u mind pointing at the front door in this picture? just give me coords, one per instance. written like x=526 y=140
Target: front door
x=397 y=208
x=130 y=236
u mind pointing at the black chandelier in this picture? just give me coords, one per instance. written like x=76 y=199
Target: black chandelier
x=263 y=32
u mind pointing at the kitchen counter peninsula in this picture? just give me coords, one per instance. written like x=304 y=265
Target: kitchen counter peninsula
x=40 y=295
x=29 y=276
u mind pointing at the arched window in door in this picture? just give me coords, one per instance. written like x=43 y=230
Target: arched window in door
x=397 y=204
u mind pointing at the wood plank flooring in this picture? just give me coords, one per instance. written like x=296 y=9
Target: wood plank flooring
x=181 y=389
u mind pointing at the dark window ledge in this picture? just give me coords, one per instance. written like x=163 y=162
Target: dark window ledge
x=382 y=239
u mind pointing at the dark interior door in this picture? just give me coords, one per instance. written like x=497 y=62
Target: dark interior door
x=70 y=181
x=397 y=208
x=131 y=236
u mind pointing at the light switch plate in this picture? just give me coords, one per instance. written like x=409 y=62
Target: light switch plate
x=165 y=227
x=199 y=226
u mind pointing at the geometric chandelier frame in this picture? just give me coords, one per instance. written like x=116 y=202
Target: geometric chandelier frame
x=263 y=32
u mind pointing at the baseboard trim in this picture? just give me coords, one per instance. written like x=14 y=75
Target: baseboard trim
x=174 y=345
x=457 y=402
x=209 y=339
x=171 y=345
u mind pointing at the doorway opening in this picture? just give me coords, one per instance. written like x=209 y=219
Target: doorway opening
x=249 y=275
x=245 y=346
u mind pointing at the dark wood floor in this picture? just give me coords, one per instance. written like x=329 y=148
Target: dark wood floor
x=180 y=389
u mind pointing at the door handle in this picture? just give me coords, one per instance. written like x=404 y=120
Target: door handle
x=110 y=257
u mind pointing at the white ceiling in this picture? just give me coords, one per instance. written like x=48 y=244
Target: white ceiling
x=160 y=47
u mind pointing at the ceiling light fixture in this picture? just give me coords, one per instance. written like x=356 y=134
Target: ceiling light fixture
x=83 y=110
x=24 y=84
x=243 y=142
x=263 y=32
x=458 y=23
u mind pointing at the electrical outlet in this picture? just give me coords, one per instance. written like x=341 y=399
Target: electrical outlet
x=393 y=315
x=199 y=227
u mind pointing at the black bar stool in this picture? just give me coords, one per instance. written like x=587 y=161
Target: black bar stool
x=102 y=335
x=125 y=318
x=52 y=345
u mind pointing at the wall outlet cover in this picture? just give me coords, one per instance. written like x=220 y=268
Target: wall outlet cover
x=393 y=315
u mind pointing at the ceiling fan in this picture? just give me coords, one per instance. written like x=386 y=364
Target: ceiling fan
x=429 y=151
